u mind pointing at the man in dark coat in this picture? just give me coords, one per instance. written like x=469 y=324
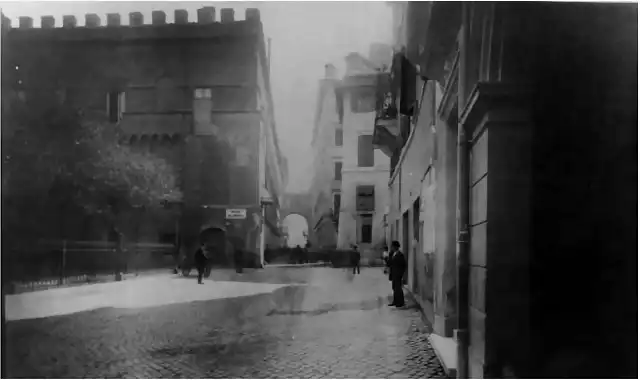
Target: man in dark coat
x=397 y=266
x=200 y=260
x=355 y=259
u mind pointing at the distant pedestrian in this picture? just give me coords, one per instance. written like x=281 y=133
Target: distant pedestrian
x=236 y=245
x=238 y=258
x=355 y=259
x=201 y=259
x=298 y=255
x=385 y=258
x=397 y=266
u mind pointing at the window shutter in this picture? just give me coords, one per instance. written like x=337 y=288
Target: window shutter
x=338 y=137
x=337 y=171
x=365 y=151
x=123 y=103
x=365 y=198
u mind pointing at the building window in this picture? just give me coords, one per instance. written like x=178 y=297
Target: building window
x=336 y=203
x=115 y=106
x=365 y=198
x=366 y=228
x=365 y=151
x=338 y=137
x=363 y=100
x=202 y=93
x=202 y=106
x=337 y=171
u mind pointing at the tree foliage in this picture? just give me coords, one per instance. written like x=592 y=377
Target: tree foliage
x=55 y=159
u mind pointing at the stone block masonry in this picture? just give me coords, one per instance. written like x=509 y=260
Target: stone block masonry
x=204 y=15
x=156 y=67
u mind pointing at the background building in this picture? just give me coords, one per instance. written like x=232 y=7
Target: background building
x=365 y=171
x=350 y=179
x=327 y=144
x=196 y=94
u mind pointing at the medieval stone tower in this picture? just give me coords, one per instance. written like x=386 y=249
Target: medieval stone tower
x=195 y=93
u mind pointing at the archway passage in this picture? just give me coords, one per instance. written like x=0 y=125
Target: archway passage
x=298 y=204
x=297 y=230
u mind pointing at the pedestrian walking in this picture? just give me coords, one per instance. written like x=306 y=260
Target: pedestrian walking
x=201 y=260
x=397 y=266
x=385 y=258
x=238 y=258
x=355 y=259
x=298 y=255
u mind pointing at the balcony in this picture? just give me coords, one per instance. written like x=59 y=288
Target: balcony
x=386 y=127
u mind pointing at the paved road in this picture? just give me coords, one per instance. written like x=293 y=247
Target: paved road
x=283 y=323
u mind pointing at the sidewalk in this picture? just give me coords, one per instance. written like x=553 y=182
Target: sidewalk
x=445 y=348
x=147 y=291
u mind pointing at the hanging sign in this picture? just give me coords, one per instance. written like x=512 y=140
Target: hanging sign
x=236 y=213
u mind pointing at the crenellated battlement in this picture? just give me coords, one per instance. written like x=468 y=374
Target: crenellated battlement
x=203 y=16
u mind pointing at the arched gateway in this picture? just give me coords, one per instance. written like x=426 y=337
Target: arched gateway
x=300 y=204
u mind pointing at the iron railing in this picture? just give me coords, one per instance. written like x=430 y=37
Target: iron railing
x=61 y=262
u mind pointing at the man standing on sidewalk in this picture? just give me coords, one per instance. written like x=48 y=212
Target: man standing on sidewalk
x=355 y=259
x=201 y=261
x=397 y=267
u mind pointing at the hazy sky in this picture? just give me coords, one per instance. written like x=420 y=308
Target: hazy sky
x=296 y=227
x=305 y=36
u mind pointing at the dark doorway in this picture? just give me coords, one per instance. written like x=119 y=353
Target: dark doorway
x=405 y=242
x=416 y=248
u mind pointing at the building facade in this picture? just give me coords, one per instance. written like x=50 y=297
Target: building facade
x=195 y=93
x=349 y=184
x=365 y=171
x=327 y=144
x=512 y=133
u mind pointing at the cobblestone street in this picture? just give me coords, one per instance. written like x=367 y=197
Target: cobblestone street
x=324 y=323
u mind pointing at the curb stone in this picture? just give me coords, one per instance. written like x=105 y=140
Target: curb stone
x=450 y=372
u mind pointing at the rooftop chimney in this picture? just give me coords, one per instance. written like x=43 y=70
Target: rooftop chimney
x=330 y=71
